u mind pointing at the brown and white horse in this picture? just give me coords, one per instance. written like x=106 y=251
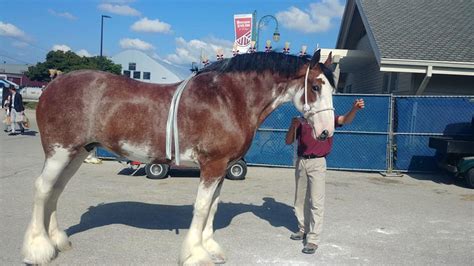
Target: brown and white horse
x=219 y=113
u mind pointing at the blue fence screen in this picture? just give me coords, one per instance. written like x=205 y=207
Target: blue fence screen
x=420 y=117
x=360 y=145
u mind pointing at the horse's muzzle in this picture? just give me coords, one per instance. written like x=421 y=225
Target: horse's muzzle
x=324 y=135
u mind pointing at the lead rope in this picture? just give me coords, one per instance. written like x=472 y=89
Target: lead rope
x=306 y=106
x=172 y=122
x=295 y=148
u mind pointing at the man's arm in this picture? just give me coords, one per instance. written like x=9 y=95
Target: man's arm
x=349 y=116
x=290 y=135
x=22 y=108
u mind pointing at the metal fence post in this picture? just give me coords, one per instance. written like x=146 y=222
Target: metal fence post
x=390 y=141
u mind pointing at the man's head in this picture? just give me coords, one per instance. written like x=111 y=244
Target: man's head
x=12 y=90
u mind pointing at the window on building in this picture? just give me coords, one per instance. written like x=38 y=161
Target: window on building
x=146 y=75
x=127 y=73
x=137 y=74
x=132 y=66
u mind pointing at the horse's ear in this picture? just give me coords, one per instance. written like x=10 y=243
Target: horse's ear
x=315 y=59
x=328 y=62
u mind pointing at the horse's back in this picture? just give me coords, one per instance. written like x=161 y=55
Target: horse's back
x=93 y=106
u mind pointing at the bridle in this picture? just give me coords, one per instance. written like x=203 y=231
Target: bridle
x=306 y=107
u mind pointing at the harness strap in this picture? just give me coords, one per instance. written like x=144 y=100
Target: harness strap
x=172 y=122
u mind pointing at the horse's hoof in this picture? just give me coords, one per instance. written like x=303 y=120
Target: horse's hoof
x=61 y=241
x=218 y=259
x=38 y=250
x=199 y=256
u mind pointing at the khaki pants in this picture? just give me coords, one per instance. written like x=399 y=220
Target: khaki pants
x=16 y=118
x=309 y=197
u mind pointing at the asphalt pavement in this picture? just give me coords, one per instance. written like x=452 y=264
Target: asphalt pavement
x=117 y=217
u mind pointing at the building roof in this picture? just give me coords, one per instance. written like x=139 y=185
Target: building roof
x=413 y=36
x=162 y=72
x=422 y=30
x=13 y=68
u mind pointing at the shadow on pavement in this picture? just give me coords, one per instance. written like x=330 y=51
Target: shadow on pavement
x=169 y=217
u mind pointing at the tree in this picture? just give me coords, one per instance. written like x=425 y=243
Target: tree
x=69 y=61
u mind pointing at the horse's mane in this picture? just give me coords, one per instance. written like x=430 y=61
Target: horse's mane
x=286 y=65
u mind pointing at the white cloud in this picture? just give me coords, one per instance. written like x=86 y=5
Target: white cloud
x=317 y=18
x=66 y=15
x=10 y=30
x=61 y=47
x=188 y=52
x=128 y=43
x=83 y=52
x=150 y=25
x=123 y=10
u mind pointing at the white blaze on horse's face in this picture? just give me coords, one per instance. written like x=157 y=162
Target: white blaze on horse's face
x=321 y=114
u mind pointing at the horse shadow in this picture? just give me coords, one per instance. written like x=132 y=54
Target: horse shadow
x=173 y=218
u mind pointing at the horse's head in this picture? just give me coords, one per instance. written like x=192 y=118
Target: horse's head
x=314 y=99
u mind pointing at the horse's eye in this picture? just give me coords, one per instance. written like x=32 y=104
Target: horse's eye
x=316 y=88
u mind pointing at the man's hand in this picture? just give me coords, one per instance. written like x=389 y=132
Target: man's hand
x=295 y=122
x=358 y=104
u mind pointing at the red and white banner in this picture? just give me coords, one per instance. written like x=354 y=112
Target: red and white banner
x=243 y=24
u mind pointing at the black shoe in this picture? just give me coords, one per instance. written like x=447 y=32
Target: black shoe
x=22 y=131
x=309 y=248
x=6 y=130
x=298 y=236
x=12 y=134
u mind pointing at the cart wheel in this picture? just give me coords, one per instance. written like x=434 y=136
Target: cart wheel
x=470 y=178
x=157 y=170
x=237 y=171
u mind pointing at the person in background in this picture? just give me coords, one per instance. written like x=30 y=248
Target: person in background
x=16 y=111
x=310 y=176
x=6 y=107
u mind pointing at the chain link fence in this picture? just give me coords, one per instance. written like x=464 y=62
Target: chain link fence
x=362 y=145
x=420 y=117
x=390 y=134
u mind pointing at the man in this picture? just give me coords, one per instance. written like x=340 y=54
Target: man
x=310 y=177
x=16 y=111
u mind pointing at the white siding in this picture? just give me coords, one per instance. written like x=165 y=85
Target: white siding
x=368 y=79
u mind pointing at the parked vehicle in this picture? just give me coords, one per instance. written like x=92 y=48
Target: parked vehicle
x=31 y=94
x=235 y=171
x=456 y=155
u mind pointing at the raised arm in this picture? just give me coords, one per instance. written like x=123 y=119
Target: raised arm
x=290 y=135
x=349 y=116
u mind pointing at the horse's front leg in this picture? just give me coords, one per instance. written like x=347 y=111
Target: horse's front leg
x=193 y=251
x=214 y=249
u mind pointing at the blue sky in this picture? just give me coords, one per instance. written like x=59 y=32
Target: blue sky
x=174 y=31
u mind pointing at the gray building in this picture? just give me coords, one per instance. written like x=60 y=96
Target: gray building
x=138 y=65
x=407 y=47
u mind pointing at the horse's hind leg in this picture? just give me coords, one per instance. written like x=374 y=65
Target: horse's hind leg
x=208 y=241
x=193 y=251
x=37 y=246
x=58 y=236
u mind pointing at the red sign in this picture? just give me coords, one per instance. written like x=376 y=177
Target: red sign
x=243 y=31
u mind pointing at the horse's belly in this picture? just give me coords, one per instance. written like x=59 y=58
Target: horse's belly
x=137 y=152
